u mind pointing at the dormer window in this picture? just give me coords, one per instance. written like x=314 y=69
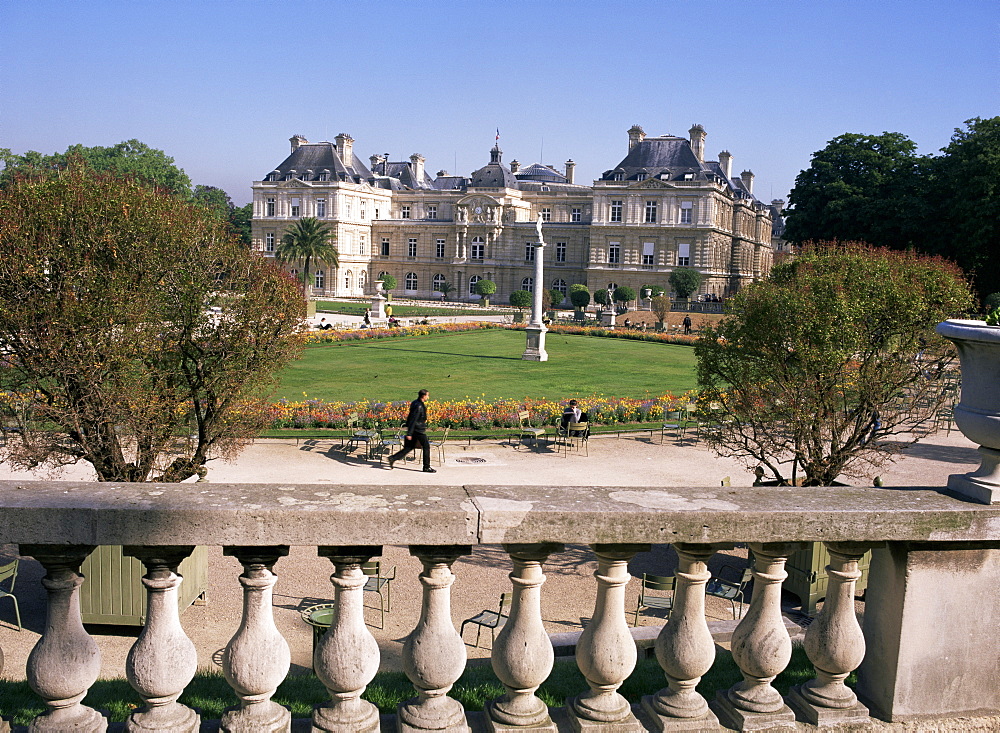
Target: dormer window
x=291 y=174
x=665 y=176
x=688 y=177
x=274 y=175
x=618 y=176
x=325 y=175
x=309 y=175
x=642 y=176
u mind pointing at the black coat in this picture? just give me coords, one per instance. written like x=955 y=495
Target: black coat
x=416 y=420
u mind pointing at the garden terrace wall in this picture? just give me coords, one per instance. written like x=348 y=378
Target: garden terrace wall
x=936 y=557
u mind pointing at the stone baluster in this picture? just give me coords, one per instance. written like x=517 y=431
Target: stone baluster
x=65 y=662
x=347 y=657
x=685 y=648
x=522 y=654
x=4 y=728
x=434 y=653
x=606 y=651
x=835 y=645
x=163 y=660
x=761 y=648
x=257 y=658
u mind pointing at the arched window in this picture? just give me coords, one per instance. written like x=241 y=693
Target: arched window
x=348 y=276
x=438 y=282
x=319 y=278
x=383 y=275
x=560 y=285
x=478 y=248
x=528 y=284
x=612 y=287
x=363 y=279
x=411 y=281
x=472 y=284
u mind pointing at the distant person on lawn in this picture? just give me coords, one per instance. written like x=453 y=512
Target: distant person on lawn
x=416 y=432
x=687 y=324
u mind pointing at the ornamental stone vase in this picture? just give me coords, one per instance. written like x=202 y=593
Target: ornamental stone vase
x=978 y=413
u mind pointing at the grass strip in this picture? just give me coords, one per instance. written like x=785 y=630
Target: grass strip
x=211 y=694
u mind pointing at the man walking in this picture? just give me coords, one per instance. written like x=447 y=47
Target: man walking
x=416 y=432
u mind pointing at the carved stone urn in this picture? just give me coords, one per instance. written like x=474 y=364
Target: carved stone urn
x=978 y=413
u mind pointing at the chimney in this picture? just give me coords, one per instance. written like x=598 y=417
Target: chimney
x=570 y=168
x=747 y=178
x=417 y=166
x=778 y=204
x=345 y=148
x=635 y=136
x=515 y=166
x=375 y=160
x=296 y=141
x=726 y=163
x=698 y=134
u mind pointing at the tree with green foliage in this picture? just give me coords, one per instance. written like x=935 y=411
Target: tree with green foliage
x=213 y=199
x=859 y=187
x=127 y=159
x=446 y=288
x=624 y=294
x=556 y=297
x=239 y=223
x=309 y=240
x=834 y=352
x=601 y=297
x=685 y=281
x=388 y=282
x=579 y=296
x=484 y=289
x=522 y=299
x=139 y=336
x=962 y=203
x=654 y=290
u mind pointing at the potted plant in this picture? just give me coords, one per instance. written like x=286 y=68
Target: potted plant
x=484 y=289
x=977 y=414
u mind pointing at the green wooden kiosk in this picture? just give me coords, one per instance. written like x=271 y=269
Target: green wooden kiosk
x=112 y=590
x=807 y=577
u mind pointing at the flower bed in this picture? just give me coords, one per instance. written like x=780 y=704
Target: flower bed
x=365 y=334
x=613 y=333
x=474 y=414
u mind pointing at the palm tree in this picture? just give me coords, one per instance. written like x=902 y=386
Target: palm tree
x=445 y=288
x=309 y=240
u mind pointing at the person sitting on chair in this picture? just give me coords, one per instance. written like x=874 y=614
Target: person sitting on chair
x=571 y=414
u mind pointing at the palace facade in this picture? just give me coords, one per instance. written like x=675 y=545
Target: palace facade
x=662 y=206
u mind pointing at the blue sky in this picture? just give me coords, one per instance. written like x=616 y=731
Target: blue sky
x=221 y=86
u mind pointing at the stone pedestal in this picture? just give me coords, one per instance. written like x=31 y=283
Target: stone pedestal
x=744 y=720
x=819 y=716
x=534 y=350
x=608 y=319
x=931 y=623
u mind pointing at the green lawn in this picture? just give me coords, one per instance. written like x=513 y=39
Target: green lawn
x=454 y=366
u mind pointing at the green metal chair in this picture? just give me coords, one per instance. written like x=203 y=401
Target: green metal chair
x=674 y=421
x=652 y=584
x=438 y=446
x=577 y=436
x=527 y=430
x=492 y=620
x=380 y=584
x=9 y=572
x=730 y=591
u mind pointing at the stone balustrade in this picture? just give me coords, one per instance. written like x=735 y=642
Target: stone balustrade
x=928 y=649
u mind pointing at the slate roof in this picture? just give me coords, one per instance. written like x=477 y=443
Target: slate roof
x=656 y=155
x=539 y=172
x=495 y=174
x=320 y=157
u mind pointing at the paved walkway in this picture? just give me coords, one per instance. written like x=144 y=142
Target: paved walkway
x=568 y=595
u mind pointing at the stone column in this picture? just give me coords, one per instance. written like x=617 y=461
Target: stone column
x=606 y=651
x=522 y=654
x=163 y=660
x=761 y=648
x=347 y=657
x=434 y=653
x=534 y=349
x=685 y=648
x=257 y=658
x=835 y=645
x=65 y=662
